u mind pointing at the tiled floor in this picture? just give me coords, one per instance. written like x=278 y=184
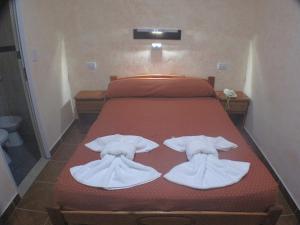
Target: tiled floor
x=31 y=209
x=23 y=158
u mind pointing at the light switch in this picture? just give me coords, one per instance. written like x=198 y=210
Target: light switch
x=92 y=66
x=222 y=66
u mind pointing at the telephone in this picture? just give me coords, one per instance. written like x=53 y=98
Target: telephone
x=230 y=93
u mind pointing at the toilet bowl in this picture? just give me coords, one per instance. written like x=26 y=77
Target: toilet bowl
x=3 y=139
x=11 y=125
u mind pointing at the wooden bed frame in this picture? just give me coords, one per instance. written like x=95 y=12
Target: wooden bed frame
x=59 y=216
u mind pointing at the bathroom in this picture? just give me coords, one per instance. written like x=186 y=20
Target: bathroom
x=18 y=140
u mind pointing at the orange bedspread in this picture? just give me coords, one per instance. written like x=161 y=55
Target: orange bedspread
x=158 y=119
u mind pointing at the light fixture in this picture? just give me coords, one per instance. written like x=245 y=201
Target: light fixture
x=155 y=33
x=156 y=45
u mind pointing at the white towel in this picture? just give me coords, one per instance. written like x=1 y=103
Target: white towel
x=116 y=170
x=119 y=148
x=141 y=144
x=217 y=143
x=114 y=173
x=205 y=170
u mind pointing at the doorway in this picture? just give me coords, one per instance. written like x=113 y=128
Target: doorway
x=21 y=143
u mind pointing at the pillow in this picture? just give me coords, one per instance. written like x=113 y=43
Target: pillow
x=160 y=87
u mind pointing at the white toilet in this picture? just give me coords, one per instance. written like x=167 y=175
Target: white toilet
x=3 y=139
x=11 y=125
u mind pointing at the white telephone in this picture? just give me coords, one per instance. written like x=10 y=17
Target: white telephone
x=230 y=93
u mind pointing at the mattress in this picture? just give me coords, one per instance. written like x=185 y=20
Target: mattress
x=158 y=119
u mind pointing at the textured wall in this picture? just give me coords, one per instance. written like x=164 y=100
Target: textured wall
x=273 y=84
x=66 y=34
x=42 y=30
x=213 y=31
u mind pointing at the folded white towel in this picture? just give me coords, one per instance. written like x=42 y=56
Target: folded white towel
x=119 y=148
x=141 y=144
x=207 y=171
x=116 y=170
x=218 y=143
x=204 y=169
x=114 y=173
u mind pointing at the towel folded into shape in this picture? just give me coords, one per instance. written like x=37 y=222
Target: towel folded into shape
x=141 y=144
x=205 y=170
x=116 y=169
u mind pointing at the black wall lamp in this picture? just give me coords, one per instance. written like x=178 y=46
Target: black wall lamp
x=158 y=34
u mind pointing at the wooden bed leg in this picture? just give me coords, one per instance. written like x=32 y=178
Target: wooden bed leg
x=274 y=214
x=112 y=78
x=211 y=81
x=56 y=217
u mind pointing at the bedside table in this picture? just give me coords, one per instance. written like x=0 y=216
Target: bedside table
x=235 y=107
x=89 y=102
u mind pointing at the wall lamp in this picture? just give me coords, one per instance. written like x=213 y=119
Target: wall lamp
x=156 y=45
x=154 y=33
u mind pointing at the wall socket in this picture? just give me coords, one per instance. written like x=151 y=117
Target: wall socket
x=222 y=66
x=92 y=66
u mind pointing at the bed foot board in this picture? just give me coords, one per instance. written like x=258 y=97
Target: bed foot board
x=64 y=217
x=56 y=217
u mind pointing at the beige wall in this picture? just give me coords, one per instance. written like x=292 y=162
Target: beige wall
x=213 y=31
x=42 y=25
x=273 y=85
x=66 y=34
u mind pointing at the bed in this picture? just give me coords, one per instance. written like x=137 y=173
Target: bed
x=251 y=201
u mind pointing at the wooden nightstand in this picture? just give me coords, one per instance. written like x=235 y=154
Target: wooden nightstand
x=235 y=107
x=89 y=102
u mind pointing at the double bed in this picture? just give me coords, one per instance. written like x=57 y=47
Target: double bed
x=250 y=201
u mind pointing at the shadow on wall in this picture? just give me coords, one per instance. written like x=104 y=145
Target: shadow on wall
x=254 y=81
x=166 y=58
x=156 y=55
x=67 y=110
x=62 y=93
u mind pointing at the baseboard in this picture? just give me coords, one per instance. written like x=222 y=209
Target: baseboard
x=53 y=147
x=9 y=210
x=284 y=189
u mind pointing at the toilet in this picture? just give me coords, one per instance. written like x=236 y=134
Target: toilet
x=11 y=125
x=3 y=139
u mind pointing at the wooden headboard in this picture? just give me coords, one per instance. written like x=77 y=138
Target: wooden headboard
x=210 y=79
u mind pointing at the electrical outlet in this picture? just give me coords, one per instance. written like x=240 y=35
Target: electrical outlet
x=222 y=66
x=92 y=66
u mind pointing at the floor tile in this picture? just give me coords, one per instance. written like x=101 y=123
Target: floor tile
x=287 y=220
x=84 y=123
x=38 y=197
x=48 y=222
x=73 y=137
x=64 y=152
x=22 y=161
x=282 y=201
x=51 y=171
x=22 y=217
